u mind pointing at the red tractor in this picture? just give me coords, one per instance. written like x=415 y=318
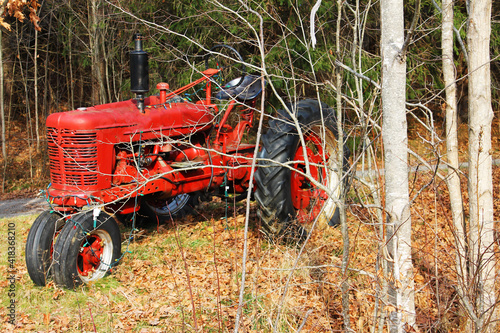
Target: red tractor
x=157 y=154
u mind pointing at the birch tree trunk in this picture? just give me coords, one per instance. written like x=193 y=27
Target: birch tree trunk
x=35 y=81
x=394 y=134
x=453 y=179
x=480 y=186
x=95 y=47
x=2 y=101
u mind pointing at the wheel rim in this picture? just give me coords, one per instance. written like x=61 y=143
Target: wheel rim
x=171 y=206
x=311 y=202
x=95 y=255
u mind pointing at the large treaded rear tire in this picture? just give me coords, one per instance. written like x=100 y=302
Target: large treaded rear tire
x=284 y=195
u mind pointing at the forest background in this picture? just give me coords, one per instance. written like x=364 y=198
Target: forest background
x=72 y=62
x=75 y=54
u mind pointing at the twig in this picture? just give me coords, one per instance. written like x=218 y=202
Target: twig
x=252 y=172
x=304 y=320
x=218 y=281
x=411 y=30
x=361 y=76
x=92 y=317
x=187 y=277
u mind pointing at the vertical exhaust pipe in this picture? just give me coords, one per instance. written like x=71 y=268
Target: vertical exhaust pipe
x=139 y=72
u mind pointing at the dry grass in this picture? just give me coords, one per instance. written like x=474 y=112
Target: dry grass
x=149 y=290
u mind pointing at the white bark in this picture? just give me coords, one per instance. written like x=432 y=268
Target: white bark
x=480 y=171
x=35 y=60
x=453 y=179
x=394 y=134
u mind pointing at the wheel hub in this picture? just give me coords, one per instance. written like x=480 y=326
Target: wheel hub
x=307 y=199
x=90 y=255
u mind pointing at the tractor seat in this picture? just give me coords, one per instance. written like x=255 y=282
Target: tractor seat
x=248 y=89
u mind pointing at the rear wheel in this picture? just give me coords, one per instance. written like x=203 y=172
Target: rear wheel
x=40 y=244
x=290 y=201
x=86 y=249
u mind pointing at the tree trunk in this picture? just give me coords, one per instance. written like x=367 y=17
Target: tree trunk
x=394 y=135
x=2 y=101
x=71 y=91
x=480 y=185
x=453 y=179
x=35 y=75
x=94 y=51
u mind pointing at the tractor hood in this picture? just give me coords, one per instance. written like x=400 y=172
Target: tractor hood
x=125 y=119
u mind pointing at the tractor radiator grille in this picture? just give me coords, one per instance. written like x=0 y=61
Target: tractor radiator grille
x=73 y=157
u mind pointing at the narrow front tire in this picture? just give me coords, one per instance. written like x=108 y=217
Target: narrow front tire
x=40 y=244
x=86 y=249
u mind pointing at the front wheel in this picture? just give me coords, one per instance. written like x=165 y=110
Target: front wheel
x=40 y=244
x=290 y=200
x=86 y=249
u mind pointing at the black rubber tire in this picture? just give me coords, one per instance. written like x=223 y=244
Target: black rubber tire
x=39 y=244
x=77 y=236
x=176 y=207
x=280 y=144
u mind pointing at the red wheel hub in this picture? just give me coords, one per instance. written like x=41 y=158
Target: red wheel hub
x=307 y=199
x=90 y=255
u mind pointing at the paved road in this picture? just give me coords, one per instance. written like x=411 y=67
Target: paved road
x=17 y=207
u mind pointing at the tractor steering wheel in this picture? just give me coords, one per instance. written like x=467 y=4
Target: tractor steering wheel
x=231 y=65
